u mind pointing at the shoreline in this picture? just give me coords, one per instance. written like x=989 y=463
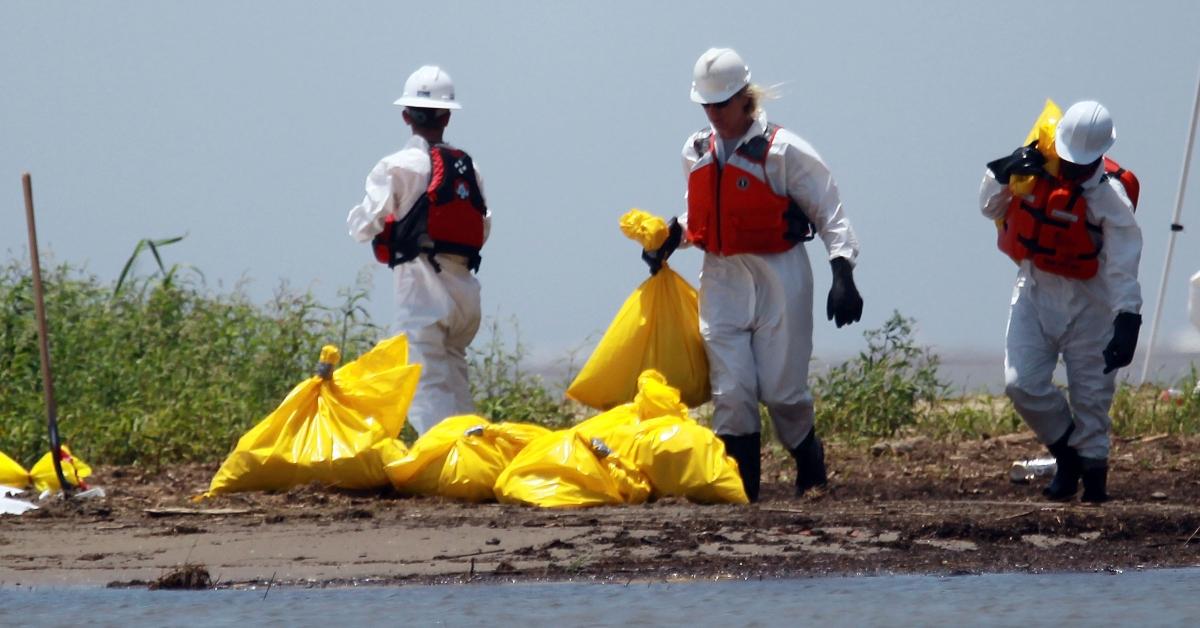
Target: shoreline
x=932 y=508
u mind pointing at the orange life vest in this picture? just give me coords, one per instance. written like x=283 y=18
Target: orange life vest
x=732 y=209
x=1050 y=226
x=447 y=218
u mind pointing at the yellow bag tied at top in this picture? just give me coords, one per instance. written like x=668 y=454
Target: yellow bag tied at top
x=648 y=447
x=1042 y=133
x=12 y=474
x=654 y=398
x=681 y=458
x=337 y=428
x=645 y=228
x=564 y=470
x=658 y=327
x=45 y=479
x=461 y=457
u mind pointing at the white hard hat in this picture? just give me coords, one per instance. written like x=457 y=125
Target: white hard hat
x=719 y=74
x=1085 y=133
x=429 y=87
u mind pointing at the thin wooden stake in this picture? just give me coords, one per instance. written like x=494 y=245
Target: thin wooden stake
x=43 y=339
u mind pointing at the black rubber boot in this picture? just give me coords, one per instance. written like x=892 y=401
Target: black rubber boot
x=746 y=449
x=1067 y=469
x=1095 y=480
x=810 y=464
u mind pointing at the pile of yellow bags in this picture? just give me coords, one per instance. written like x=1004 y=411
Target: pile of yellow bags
x=461 y=457
x=612 y=457
x=338 y=428
x=42 y=475
x=658 y=327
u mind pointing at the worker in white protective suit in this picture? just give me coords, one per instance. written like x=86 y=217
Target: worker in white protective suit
x=755 y=193
x=426 y=217
x=1077 y=294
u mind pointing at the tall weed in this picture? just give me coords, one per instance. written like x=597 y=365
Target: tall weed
x=881 y=390
x=158 y=372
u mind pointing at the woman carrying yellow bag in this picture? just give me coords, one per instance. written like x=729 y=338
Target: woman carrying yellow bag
x=755 y=193
x=658 y=327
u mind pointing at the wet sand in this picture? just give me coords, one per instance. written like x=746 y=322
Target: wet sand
x=916 y=506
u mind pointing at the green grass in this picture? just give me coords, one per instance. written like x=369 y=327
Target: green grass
x=158 y=370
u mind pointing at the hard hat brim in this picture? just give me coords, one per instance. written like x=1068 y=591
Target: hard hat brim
x=708 y=98
x=427 y=103
x=1081 y=158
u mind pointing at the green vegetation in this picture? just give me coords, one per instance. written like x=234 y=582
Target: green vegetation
x=160 y=369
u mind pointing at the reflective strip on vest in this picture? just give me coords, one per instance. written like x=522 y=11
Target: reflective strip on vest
x=1050 y=228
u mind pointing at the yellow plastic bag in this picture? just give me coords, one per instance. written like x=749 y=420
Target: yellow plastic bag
x=658 y=328
x=562 y=470
x=1043 y=133
x=681 y=458
x=339 y=429
x=74 y=470
x=654 y=398
x=461 y=457
x=644 y=228
x=12 y=474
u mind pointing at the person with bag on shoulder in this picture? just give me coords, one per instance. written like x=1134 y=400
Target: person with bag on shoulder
x=1077 y=245
x=755 y=193
x=425 y=216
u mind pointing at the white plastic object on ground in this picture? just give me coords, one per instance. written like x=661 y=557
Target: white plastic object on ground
x=12 y=506
x=1024 y=471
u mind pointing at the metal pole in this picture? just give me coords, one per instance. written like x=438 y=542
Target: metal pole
x=1176 y=227
x=44 y=339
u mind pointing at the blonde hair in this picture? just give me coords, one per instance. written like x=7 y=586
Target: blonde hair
x=757 y=93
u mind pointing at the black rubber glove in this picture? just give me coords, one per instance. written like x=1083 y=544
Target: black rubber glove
x=655 y=259
x=1024 y=160
x=844 y=304
x=1119 y=351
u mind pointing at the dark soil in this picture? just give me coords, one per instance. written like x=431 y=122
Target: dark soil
x=914 y=506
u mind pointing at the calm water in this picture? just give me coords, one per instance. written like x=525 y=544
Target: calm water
x=1150 y=598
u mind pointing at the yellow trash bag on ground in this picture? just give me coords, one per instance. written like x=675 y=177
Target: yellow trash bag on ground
x=1043 y=133
x=12 y=474
x=338 y=427
x=564 y=470
x=681 y=458
x=461 y=457
x=74 y=470
x=658 y=327
x=654 y=398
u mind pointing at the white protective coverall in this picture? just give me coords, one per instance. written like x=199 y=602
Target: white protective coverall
x=756 y=309
x=1052 y=315
x=439 y=311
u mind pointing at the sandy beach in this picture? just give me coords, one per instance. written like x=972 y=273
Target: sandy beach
x=909 y=506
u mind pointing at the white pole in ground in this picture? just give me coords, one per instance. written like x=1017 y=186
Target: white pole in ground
x=1176 y=227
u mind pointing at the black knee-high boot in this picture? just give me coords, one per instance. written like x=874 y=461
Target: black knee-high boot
x=1067 y=469
x=746 y=449
x=810 y=463
x=1095 y=480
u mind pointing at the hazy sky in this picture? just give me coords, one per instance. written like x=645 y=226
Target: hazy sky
x=251 y=126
